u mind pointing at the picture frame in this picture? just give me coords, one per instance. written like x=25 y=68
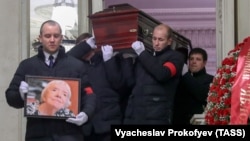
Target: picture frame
x=52 y=97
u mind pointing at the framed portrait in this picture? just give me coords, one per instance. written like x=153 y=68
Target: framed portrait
x=52 y=97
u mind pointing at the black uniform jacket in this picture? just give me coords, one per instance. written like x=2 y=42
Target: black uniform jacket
x=64 y=66
x=191 y=97
x=108 y=111
x=152 y=96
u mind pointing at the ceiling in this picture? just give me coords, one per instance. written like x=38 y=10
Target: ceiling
x=164 y=4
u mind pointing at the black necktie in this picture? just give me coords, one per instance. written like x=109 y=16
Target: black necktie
x=51 y=59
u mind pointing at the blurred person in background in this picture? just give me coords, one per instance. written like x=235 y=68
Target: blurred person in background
x=108 y=111
x=191 y=97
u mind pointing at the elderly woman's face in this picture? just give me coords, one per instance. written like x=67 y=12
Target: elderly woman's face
x=57 y=96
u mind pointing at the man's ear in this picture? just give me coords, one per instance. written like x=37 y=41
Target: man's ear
x=170 y=41
x=205 y=62
x=39 y=38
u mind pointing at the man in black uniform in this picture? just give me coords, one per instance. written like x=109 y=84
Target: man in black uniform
x=156 y=76
x=45 y=129
x=108 y=111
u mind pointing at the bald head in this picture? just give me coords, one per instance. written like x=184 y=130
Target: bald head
x=166 y=29
x=162 y=37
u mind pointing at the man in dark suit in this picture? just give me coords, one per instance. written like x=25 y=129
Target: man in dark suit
x=191 y=97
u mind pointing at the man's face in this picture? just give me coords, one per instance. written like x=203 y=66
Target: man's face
x=57 y=96
x=196 y=63
x=160 y=40
x=50 y=38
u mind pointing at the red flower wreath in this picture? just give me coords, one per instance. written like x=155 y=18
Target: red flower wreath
x=217 y=111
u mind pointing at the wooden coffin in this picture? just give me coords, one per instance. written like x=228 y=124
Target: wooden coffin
x=121 y=25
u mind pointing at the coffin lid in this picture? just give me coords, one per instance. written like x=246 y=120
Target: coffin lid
x=127 y=9
x=119 y=9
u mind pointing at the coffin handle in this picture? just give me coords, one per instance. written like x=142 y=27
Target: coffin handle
x=146 y=32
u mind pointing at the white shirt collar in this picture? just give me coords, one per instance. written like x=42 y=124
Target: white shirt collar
x=47 y=56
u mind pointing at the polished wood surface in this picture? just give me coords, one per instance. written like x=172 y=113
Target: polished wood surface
x=121 y=25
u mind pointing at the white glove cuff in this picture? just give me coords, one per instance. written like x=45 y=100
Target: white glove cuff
x=91 y=42
x=106 y=58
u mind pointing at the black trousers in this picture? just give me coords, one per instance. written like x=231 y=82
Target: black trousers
x=58 y=138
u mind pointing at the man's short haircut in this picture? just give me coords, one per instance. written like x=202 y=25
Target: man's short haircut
x=83 y=36
x=50 y=22
x=170 y=32
x=165 y=27
x=199 y=50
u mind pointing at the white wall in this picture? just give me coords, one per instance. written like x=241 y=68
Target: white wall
x=10 y=50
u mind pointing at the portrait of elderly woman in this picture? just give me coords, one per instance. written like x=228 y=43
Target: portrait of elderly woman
x=54 y=100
